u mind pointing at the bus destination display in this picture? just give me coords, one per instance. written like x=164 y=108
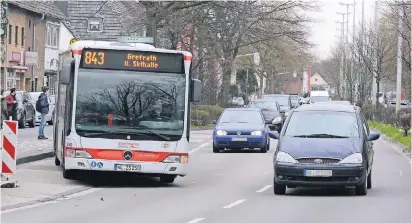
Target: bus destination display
x=132 y=60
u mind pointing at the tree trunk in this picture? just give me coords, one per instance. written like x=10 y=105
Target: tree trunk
x=226 y=74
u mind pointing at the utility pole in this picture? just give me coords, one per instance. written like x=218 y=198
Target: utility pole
x=374 y=92
x=343 y=57
x=347 y=53
x=363 y=70
x=399 y=60
x=353 y=78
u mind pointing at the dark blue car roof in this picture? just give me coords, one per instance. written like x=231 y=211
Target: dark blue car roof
x=328 y=107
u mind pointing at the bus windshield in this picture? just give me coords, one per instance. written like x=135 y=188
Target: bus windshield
x=130 y=102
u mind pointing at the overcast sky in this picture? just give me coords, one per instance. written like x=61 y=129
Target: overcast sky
x=326 y=31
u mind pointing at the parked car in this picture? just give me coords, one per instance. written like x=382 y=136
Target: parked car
x=271 y=112
x=239 y=128
x=283 y=100
x=324 y=145
x=49 y=117
x=238 y=101
x=26 y=112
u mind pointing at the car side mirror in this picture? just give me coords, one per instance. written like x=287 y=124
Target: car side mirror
x=197 y=88
x=274 y=134
x=214 y=122
x=373 y=136
x=66 y=71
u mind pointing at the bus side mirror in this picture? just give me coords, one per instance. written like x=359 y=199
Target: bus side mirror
x=65 y=72
x=197 y=88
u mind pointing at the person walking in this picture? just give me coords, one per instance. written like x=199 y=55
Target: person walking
x=42 y=106
x=11 y=102
x=3 y=107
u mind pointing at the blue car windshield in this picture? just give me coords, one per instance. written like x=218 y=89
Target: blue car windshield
x=315 y=122
x=241 y=117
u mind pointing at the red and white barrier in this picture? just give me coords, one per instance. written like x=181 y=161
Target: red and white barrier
x=8 y=149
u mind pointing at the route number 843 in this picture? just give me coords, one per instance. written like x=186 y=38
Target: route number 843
x=94 y=58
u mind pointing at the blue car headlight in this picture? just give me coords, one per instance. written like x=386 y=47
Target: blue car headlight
x=221 y=132
x=256 y=133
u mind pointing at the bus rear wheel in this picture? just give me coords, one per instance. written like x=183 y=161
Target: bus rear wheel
x=167 y=178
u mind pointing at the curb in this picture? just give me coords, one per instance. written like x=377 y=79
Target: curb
x=46 y=199
x=33 y=158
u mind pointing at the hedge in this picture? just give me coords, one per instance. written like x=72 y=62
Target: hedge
x=203 y=115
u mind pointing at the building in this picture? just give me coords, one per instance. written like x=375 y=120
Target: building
x=101 y=20
x=318 y=83
x=25 y=42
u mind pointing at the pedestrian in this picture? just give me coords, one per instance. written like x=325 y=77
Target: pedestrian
x=11 y=102
x=42 y=106
x=3 y=107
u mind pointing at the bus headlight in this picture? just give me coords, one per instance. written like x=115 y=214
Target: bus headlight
x=77 y=153
x=176 y=159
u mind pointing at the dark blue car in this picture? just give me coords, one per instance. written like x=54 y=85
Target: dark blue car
x=239 y=128
x=324 y=145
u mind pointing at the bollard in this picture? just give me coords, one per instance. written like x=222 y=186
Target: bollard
x=8 y=157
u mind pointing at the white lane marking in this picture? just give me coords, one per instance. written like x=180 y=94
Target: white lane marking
x=231 y=205
x=71 y=196
x=265 y=172
x=196 y=220
x=400 y=172
x=263 y=188
x=197 y=148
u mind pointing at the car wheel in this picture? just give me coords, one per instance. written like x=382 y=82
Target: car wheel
x=369 y=180
x=216 y=149
x=362 y=189
x=278 y=189
x=22 y=121
x=167 y=178
x=32 y=123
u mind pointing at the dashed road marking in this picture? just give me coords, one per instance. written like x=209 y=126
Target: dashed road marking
x=263 y=188
x=400 y=172
x=265 y=172
x=231 y=205
x=196 y=220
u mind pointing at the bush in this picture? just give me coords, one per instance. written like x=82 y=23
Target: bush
x=203 y=115
x=405 y=122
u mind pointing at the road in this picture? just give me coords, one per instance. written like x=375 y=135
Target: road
x=231 y=187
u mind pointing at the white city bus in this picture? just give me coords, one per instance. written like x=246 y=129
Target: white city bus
x=124 y=106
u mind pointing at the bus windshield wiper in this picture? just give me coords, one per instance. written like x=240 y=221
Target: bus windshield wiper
x=320 y=136
x=157 y=134
x=101 y=133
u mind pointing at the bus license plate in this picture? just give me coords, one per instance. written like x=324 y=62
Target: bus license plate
x=127 y=167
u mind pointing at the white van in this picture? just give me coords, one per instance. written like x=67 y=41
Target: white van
x=319 y=96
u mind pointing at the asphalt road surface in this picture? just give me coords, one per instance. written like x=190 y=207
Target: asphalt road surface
x=232 y=187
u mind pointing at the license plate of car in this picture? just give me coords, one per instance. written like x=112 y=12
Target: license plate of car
x=127 y=167
x=318 y=173
x=239 y=139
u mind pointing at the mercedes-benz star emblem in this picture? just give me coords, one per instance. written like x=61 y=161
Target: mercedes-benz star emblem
x=128 y=155
x=318 y=161
x=238 y=133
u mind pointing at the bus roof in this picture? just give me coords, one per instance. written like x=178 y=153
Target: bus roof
x=79 y=45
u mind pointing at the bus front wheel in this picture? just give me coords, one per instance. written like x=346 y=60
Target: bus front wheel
x=167 y=178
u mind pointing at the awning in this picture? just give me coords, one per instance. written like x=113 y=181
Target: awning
x=20 y=69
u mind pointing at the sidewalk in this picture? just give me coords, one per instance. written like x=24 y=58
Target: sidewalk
x=42 y=181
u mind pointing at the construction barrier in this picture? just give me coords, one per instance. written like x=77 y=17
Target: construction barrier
x=8 y=152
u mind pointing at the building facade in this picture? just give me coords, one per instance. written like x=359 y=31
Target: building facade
x=24 y=53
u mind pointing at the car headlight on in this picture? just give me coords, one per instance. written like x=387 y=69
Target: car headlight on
x=221 y=133
x=277 y=120
x=285 y=158
x=256 y=133
x=355 y=158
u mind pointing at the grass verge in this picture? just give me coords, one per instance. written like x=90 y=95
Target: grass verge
x=202 y=127
x=392 y=132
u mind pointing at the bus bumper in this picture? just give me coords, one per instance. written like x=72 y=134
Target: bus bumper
x=149 y=168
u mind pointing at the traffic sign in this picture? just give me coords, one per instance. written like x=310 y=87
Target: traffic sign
x=73 y=40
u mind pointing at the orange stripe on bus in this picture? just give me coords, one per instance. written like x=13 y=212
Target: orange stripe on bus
x=187 y=58
x=77 y=52
x=138 y=155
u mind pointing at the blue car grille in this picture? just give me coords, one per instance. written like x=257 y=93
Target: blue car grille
x=236 y=133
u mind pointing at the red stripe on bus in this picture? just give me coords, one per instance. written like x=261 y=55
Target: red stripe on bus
x=186 y=58
x=77 y=52
x=138 y=155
